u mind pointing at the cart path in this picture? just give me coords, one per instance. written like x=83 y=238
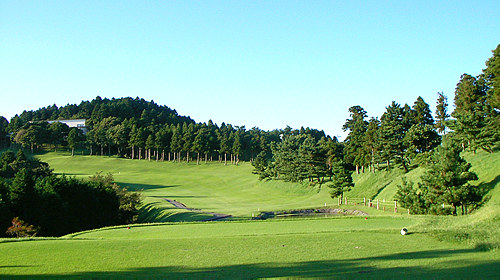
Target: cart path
x=216 y=216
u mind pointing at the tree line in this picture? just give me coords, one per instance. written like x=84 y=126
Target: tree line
x=137 y=129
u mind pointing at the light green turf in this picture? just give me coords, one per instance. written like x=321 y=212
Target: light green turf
x=383 y=184
x=325 y=248
x=212 y=187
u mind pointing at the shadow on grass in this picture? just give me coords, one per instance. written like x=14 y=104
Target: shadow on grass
x=139 y=187
x=342 y=269
x=486 y=187
x=71 y=174
x=177 y=196
x=162 y=212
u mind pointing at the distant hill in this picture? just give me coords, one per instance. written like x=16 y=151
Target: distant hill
x=96 y=110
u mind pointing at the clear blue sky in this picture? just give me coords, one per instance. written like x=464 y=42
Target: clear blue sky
x=255 y=63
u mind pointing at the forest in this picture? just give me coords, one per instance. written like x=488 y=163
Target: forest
x=405 y=136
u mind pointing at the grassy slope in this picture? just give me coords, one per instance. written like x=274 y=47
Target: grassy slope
x=383 y=184
x=481 y=228
x=210 y=187
x=325 y=248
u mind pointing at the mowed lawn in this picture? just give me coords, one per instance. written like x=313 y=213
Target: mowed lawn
x=321 y=247
x=349 y=247
x=211 y=187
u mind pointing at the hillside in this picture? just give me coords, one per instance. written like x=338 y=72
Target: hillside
x=383 y=184
x=480 y=228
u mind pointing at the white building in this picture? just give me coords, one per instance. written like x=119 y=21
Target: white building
x=80 y=124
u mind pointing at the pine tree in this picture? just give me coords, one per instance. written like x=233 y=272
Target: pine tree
x=356 y=125
x=75 y=138
x=469 y=113
x=341 y=180
x=441 y=112
x=447 y=178
x=392 y=132
x=371 y=142
x=490 y=134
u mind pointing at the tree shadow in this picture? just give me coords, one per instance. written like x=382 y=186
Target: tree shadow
x=486 y=187
x=165 y=212
x=139 y=187
x=177 y=196
x=361 y=268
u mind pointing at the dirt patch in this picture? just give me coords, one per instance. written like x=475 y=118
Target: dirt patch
x=310 y=212
x=215 y=216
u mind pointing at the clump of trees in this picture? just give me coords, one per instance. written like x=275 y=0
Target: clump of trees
x=446 y=182
x=57 y=205
x=475 y=124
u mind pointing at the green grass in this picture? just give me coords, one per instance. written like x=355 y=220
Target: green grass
x=462 y=247
x=211 y=187
x=326 y=248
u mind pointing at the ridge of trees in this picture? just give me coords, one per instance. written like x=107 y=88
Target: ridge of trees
x=138 y=129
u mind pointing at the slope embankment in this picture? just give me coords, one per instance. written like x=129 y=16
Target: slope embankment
x=481 y=227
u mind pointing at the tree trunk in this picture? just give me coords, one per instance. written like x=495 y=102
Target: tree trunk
x=132 y=154
x=225 y=158
x=198 y=159
x=102 y=150
x=357 y=169
x=404 y=165
x=140 y=153
x=72 y=152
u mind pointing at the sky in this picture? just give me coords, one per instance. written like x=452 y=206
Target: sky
x=265 y=64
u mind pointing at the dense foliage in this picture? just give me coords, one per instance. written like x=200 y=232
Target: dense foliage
x=138 y=129
x=57 y=205
x=444 y=183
